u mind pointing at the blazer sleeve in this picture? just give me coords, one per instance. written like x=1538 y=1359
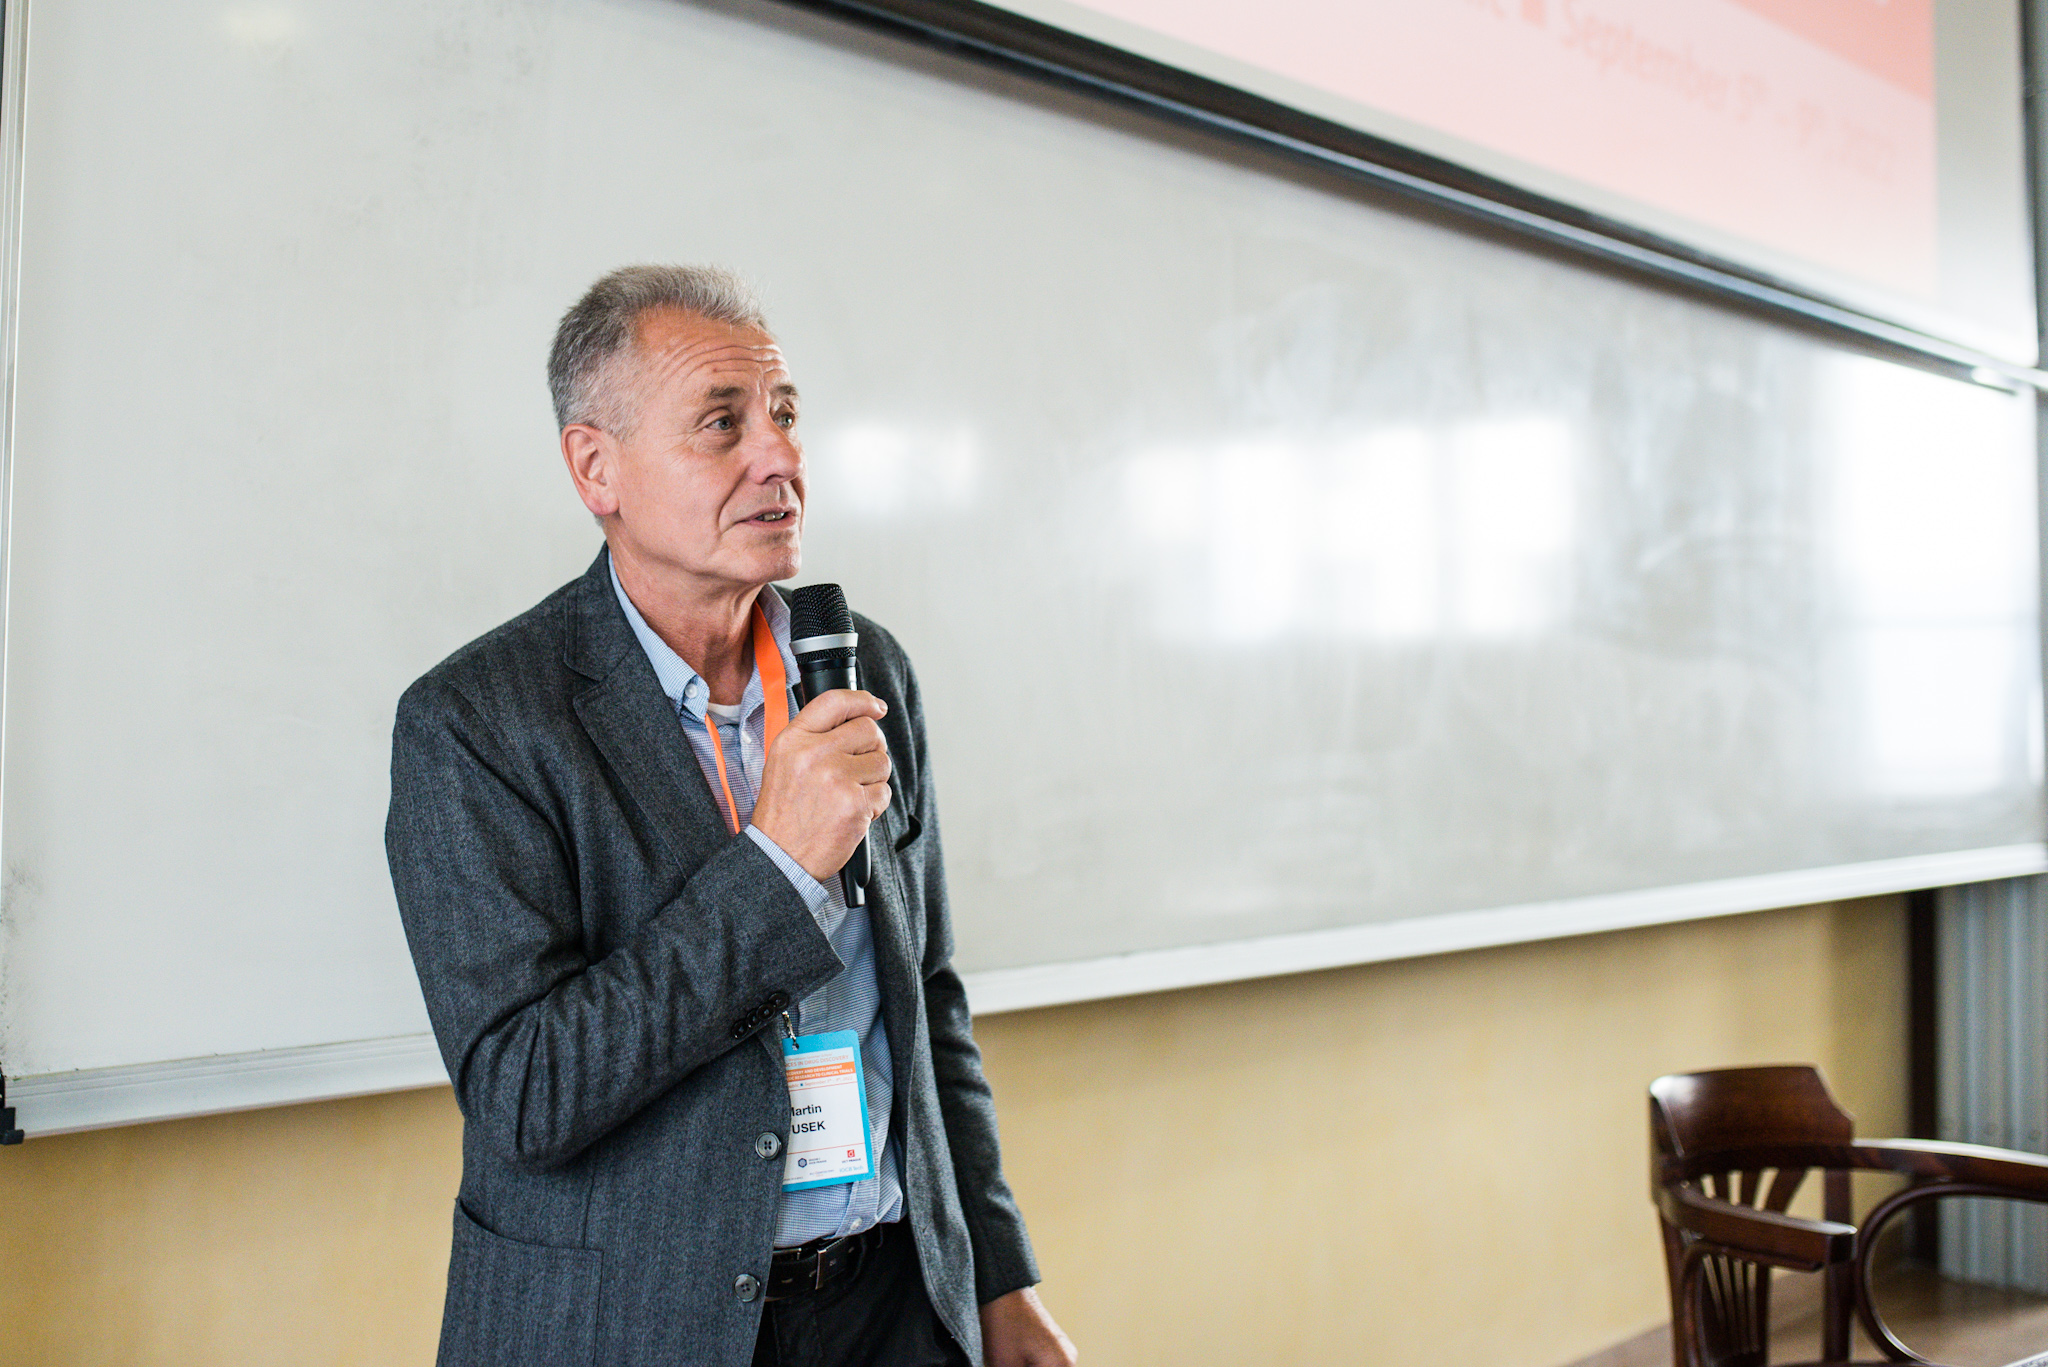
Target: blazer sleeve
x=1003 y=1260
x=548 y=1049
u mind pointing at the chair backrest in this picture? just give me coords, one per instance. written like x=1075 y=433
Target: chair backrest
x=1707 y=1122
x=1720 y=1131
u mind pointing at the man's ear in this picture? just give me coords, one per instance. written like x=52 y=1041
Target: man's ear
x=592 y=457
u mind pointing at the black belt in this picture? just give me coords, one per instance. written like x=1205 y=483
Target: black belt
x=812 y=1266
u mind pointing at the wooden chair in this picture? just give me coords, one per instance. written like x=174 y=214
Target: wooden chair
x=1714 y=1139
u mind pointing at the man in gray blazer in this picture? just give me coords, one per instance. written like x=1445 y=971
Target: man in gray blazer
x=616 y=855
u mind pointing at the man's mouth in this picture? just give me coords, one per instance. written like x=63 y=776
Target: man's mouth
x=773 y=515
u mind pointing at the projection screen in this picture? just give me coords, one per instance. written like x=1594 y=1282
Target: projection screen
x=1863 y=151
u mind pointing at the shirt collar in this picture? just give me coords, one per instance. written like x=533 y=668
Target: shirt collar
x=683 y=685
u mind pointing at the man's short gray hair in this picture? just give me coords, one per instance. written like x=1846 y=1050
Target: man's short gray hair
x=589 y=367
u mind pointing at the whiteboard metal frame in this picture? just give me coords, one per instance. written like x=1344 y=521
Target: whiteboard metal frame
x=1002 y=38
x=13 y=153
x=61 y=1103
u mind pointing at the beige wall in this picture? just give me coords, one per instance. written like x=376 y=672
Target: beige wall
x=1489 y=1113
x=1439 y=1160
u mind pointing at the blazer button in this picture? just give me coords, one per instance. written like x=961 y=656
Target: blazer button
x=746 y=1286
x=769 y=1144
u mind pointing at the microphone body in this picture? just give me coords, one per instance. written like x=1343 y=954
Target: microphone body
x=822 y=638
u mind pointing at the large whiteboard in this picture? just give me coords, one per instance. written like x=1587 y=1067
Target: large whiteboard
x=1383 y=589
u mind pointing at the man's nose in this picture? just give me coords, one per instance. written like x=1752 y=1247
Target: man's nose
x=776 y=457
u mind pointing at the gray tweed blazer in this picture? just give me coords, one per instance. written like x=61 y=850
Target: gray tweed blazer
x=602 y=961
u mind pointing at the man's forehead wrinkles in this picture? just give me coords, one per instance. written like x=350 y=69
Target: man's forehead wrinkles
x=670 y=339
x=736 y=357
x=689 y=364
x=719 y=358
x=718 y=382
x=721 y=382
x=700 y=346
x=729 y=367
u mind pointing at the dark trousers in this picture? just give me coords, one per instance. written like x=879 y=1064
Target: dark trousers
x=874 y=1316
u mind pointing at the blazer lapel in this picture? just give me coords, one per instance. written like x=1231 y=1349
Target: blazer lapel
x=634 y=726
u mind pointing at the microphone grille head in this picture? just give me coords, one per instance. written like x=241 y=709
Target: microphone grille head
x=818 y=610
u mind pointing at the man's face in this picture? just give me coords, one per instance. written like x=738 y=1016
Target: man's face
x=708 y=485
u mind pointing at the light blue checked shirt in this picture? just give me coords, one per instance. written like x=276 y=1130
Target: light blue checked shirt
x=852 y=1000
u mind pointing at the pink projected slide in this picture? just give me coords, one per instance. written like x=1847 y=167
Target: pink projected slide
x=1806 y=126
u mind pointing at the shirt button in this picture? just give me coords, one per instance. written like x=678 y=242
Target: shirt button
x=746 y=1286
x=769 y=1144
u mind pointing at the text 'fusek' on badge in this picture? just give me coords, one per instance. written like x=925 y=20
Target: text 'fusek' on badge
x=828 y=1111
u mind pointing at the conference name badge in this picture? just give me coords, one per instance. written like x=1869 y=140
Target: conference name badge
x=828 y=1111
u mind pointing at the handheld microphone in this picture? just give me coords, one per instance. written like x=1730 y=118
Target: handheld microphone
x=822 y=638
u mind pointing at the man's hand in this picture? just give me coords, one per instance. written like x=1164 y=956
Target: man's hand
x=1016 y=1331
x=824 y=780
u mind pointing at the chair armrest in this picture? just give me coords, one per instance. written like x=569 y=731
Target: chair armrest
x=1764 y=1236
x=2024 y=1176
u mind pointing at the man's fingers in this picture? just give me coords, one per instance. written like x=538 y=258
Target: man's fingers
x=826 y=779
x=835 y=707
x=860 y=737
x=871 y=767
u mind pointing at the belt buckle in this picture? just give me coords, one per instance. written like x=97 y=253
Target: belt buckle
x=818 y=1272
x=834 y=1248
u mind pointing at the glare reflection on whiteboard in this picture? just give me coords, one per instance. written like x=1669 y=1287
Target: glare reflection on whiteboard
x=1938 y=703
x=1396 y=534
x=263 y=29
x=877 y=471
x=1933 y=527
x=1511 y=523
x=1920 y=461
x=1258 y=559
x=1386 y=570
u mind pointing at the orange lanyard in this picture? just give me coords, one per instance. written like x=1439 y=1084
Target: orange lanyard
x=774 y=716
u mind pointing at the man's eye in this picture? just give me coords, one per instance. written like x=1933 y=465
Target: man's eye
x=722 y=424
x=786 y=419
